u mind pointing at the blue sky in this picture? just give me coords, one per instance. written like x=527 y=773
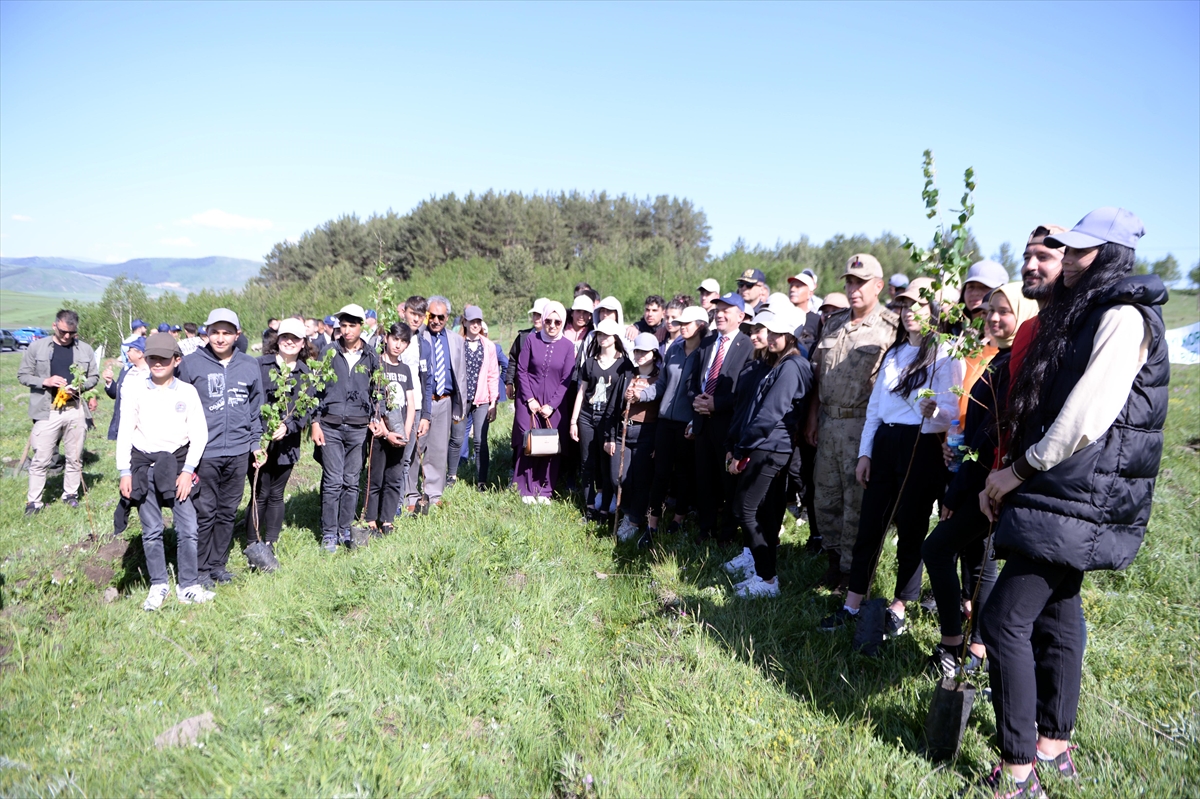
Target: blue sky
x=218 y=129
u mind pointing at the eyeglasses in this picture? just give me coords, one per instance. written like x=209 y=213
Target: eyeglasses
x=553 y=322
x=673 y=323
x=441 y=317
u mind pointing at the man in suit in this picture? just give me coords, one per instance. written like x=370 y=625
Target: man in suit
x=447 y=416
x=723 y=353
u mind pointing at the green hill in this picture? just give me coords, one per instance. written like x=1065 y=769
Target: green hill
x=65 y=277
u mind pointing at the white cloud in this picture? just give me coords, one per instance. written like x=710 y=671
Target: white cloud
x=182 y=241
x=22 y=218
x=223 y=220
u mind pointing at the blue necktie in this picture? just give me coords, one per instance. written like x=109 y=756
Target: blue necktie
x=439 y=366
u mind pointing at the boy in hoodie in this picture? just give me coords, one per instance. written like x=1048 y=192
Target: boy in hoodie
x=229 y=383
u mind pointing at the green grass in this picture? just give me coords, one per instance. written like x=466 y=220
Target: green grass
x=498 y=649
x=19 y=310
x=1183 y=308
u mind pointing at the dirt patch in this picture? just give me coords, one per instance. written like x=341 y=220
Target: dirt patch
x=98 y=573
x=389 y=722
x=113 y=550
x=517 y=580
x=1193 y=446
x=357 y=614
x=476 y=728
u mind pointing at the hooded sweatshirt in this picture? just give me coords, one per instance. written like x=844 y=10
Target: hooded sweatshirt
x=232 y=396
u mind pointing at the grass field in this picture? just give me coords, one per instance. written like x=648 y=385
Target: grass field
x=502 y=650
x=19 y=310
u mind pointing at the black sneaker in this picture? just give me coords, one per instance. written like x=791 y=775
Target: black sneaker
x=893 y=625
x=840 y=618
x=71 y=500
x=387 y=529
x=222 y=576
x=944 y=661
x=674 y=527
x=1063 y=765
x=814 y=545
x=1001 y=785
x=33 y=507
x=206 y=582
x=929 y=604
x=647 y=539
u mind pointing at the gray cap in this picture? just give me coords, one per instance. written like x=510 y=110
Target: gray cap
x=222 y=315
x=645 y=342
x=987 y=273
x=472 y=313
x=1107 y=225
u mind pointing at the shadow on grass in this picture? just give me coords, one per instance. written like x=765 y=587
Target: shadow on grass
x=780 y=638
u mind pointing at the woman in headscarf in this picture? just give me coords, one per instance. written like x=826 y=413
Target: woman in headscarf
x=547 y=362
x=962 y=532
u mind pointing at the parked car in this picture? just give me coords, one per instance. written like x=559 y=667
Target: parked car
x=8 y=342
x=27 y=335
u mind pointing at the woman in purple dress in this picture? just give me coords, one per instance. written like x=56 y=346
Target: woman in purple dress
x=543 y=373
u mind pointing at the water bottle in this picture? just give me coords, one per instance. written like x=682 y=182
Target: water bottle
x=954 y=440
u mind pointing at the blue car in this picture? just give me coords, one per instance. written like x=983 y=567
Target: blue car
x=27 y=335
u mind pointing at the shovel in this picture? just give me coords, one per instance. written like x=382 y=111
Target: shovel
x=259 y=555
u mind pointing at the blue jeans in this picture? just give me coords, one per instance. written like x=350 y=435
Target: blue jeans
x=184 y=514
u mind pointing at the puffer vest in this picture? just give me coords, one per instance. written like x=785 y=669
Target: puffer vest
x=1090 y=511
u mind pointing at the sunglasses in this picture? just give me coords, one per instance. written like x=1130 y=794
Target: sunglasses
x=553 y=322
x=441 y=317
x=674 y=323
x=62 y=332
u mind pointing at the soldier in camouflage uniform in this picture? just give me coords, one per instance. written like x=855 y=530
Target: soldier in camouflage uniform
x=849 y=349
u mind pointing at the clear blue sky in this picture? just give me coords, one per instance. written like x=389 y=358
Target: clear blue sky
x=188 y=130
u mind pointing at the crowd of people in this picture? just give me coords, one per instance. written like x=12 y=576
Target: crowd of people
x=725 y=409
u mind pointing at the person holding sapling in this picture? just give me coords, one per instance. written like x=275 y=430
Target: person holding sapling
x=290 y=400
x=229 y=383
x=160 y=440
x=417 y=357
x=1084 y=426
x=340 y=427
x=632 y=440
x=900 y=463
x=391 y=430
x=58 y=369
x=963 y=529
x=598 y=406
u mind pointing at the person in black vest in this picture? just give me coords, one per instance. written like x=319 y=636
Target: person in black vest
x=340 y=428
x=722 y=356
x=1085 y=417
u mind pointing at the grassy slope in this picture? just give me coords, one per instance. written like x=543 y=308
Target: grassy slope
x=478 y=651
x=18 y=309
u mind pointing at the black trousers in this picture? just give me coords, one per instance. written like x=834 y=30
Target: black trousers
x=715 y=486
x=386 y=486
x=759 y=503
x=593 y=471
x=890 y=457
x=224 y=480
x=341 y=464
x=272 y=480
x=962 y=536
x=800 y=470
x=674 y=468
x=634 y=470
x=1033 y=631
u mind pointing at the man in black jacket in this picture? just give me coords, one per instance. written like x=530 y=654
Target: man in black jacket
x=722 y=355
x=340 y=428
x=229 y=383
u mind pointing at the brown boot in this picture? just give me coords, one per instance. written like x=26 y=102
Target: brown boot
x=832 y=572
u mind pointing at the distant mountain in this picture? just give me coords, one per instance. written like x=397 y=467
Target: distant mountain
x=67 y=277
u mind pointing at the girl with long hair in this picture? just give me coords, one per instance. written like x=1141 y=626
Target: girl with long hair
x=482 y=387
x=1084 y=425
x=287 y=351
x=392 y=431
x=764 y=448
x=900 y=456
x=963 y=529
x=597 y=410
x=633 y=466
x=674 y=452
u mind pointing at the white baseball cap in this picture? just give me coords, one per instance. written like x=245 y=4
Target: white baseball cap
x=353 y=310
x=293 y=327
x=693 y=313
x=582 y=303
x=538 y=306
x=805 y=278
x=708 y=284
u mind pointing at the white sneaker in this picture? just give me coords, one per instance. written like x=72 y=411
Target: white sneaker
x=758 y=588
x=527 y=500
x=543 y=500
x=193 y=595
x=156 y=597
x=742 y=564
x=627 y=529
x=751 y=576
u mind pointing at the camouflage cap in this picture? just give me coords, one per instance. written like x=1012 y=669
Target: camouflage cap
x=863 y=266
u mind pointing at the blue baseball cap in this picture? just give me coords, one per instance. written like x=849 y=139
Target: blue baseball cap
x=135 y=324
x=370 y=314
x=202 y=331
x=163 y=327
x=138 y=344
x=330 y=321
x=752 y=276
x=734 y=299
x=1107 y=225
